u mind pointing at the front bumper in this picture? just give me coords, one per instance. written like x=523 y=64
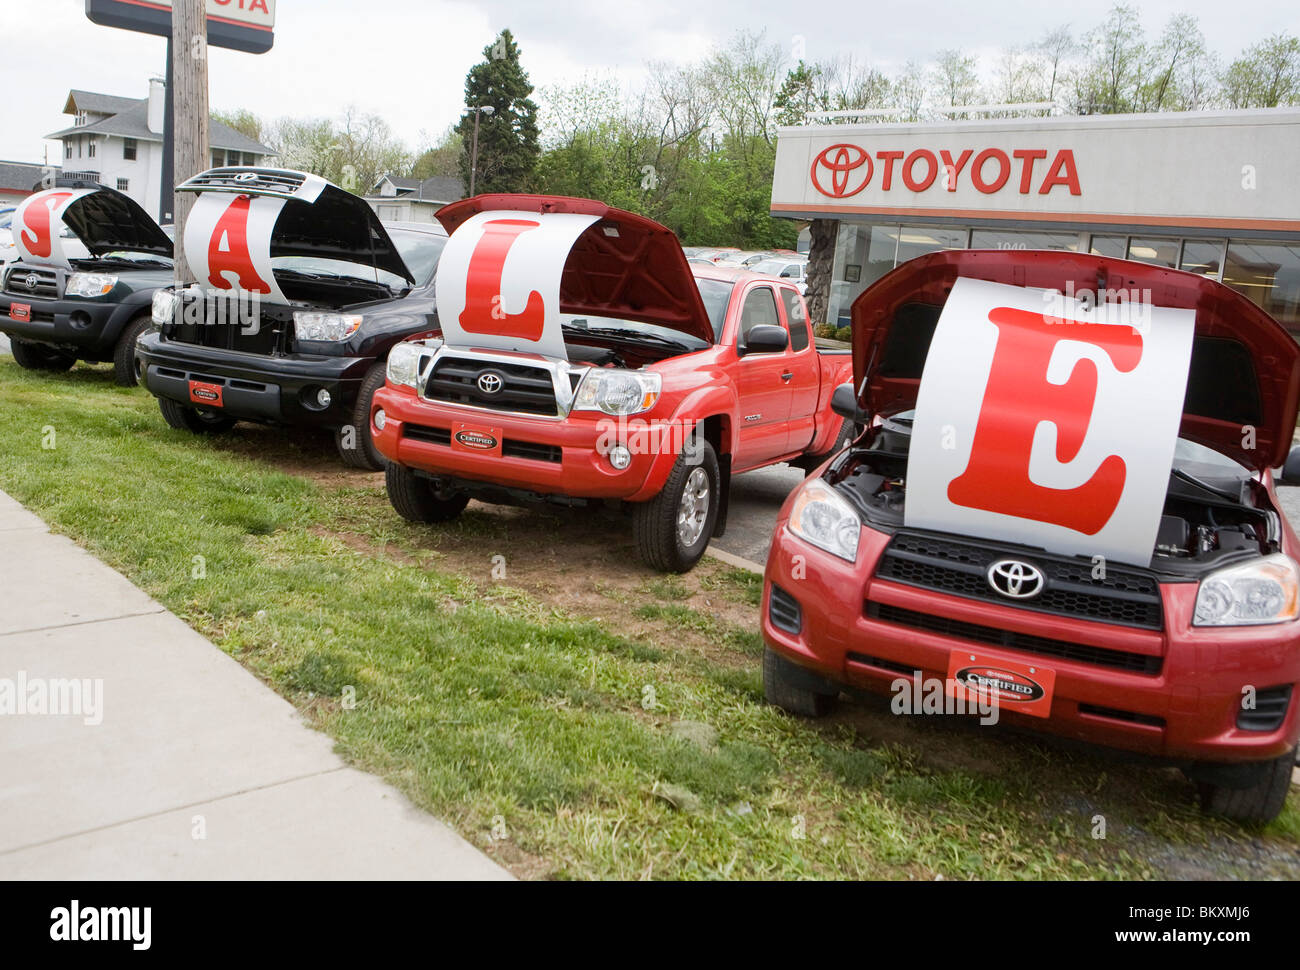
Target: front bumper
x=541 y=456
x=88 y=327
x=271 y=389
x=1185 y=711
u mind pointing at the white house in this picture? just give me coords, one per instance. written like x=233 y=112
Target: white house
x=119 y=143
x=396 y=199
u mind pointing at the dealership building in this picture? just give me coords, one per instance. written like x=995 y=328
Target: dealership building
x=1215 y=193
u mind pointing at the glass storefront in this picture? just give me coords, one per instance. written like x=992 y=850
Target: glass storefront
x=1268 y=273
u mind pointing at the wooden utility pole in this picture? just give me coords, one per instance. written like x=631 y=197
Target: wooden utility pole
x=188 y=89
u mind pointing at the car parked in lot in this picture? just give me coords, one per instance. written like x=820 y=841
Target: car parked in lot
x=353 y=287
x=1192 y=658
x=669 y=384
x=8 y=252
x=94 y=301
x=792 y=268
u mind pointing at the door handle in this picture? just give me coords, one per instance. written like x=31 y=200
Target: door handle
x=787 y=375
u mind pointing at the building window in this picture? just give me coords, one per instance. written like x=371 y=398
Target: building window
x=128 y=149
x=1158 y=252
x=1203 y=257
x=90 y=148
x=124 y=185
x=250 y=159
x=1112 y=246
x=218 y=159
x=67 y=149
x=1013 y=239
x=1268 y=274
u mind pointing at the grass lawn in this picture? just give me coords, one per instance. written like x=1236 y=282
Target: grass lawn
x=579 y=717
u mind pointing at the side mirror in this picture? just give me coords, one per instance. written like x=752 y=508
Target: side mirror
x=764 y=338
x=844 y=402
x=1291 y=470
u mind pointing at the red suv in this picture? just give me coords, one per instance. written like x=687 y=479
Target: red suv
x=1192 y=658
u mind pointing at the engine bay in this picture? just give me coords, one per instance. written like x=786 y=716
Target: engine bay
x=1202 y=524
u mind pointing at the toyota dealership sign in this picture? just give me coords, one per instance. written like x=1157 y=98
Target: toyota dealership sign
x=1204 y=169
x=245 y=25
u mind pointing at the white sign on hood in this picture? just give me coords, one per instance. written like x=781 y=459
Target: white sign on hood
x=498 y=285
x=1043 y=421
x=38 y=226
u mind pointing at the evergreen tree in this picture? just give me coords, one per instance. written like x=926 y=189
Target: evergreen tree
x=507 y=138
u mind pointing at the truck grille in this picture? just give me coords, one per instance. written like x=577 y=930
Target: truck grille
x=37 y=283
x=274 y=332
x=1126 y=597
x=1139 y=663
x=524 y=388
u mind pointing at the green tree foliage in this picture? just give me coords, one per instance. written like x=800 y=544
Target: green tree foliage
x=508 y=141
x=1266 y=75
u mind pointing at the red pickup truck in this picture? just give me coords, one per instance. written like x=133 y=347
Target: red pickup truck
x=669 y=383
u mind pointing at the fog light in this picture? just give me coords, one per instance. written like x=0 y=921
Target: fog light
x=323 y=398
x=620 y=457
x=380 y=419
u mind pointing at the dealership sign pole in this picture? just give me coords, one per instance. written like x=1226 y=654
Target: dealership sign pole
x=245 y=25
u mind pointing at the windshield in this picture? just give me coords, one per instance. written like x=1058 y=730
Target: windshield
x=419 y=251
x=634 y=329
x=716 y=294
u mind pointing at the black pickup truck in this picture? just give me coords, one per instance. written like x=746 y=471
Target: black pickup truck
x=89 y=263
x=345 y=288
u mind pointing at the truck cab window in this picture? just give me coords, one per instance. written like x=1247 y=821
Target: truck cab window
x=759 y=308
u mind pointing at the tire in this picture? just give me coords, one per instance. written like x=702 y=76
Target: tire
x=1256 y=805
x=665 y=539
x=185 y=418
x=34 y=356
x=363 y=453
x=124 y=372
x=781 y=691
x=416 y=500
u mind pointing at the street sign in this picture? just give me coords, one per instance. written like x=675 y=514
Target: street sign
x=242 y=25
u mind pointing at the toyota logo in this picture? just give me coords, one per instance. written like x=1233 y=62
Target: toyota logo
x=32 y=281
x=839 y=161
x=246 y=177
x=490 y=382
x=1016 y=579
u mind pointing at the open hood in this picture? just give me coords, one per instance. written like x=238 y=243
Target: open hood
x=316 y=219
x=103 y=219
x=1245 y=368
x=623 y=266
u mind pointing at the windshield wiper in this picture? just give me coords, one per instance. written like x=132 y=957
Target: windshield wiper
x=624 y=335
x=1213 y=490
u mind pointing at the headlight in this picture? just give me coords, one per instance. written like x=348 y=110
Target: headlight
x=617 y=391
x=824 y=518
x=404 y=364
x=310 y=325
x=89 y=284
x=1262 y=591
x=164 y=307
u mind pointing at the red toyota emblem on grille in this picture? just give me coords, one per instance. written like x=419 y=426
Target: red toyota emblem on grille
x=840 y=161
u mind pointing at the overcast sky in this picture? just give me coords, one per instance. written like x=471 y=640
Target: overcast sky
x=406 y=59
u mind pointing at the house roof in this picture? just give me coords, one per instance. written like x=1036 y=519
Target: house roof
x=436 y=188
x=132 y=121
x=22 y=177
x=109 y=104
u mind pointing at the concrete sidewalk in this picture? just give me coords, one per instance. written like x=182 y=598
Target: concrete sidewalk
x=190 y=743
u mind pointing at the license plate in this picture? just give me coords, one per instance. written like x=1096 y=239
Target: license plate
x=209 y=395
x=22 y=312
x=1012 y=686
x=478 y=441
